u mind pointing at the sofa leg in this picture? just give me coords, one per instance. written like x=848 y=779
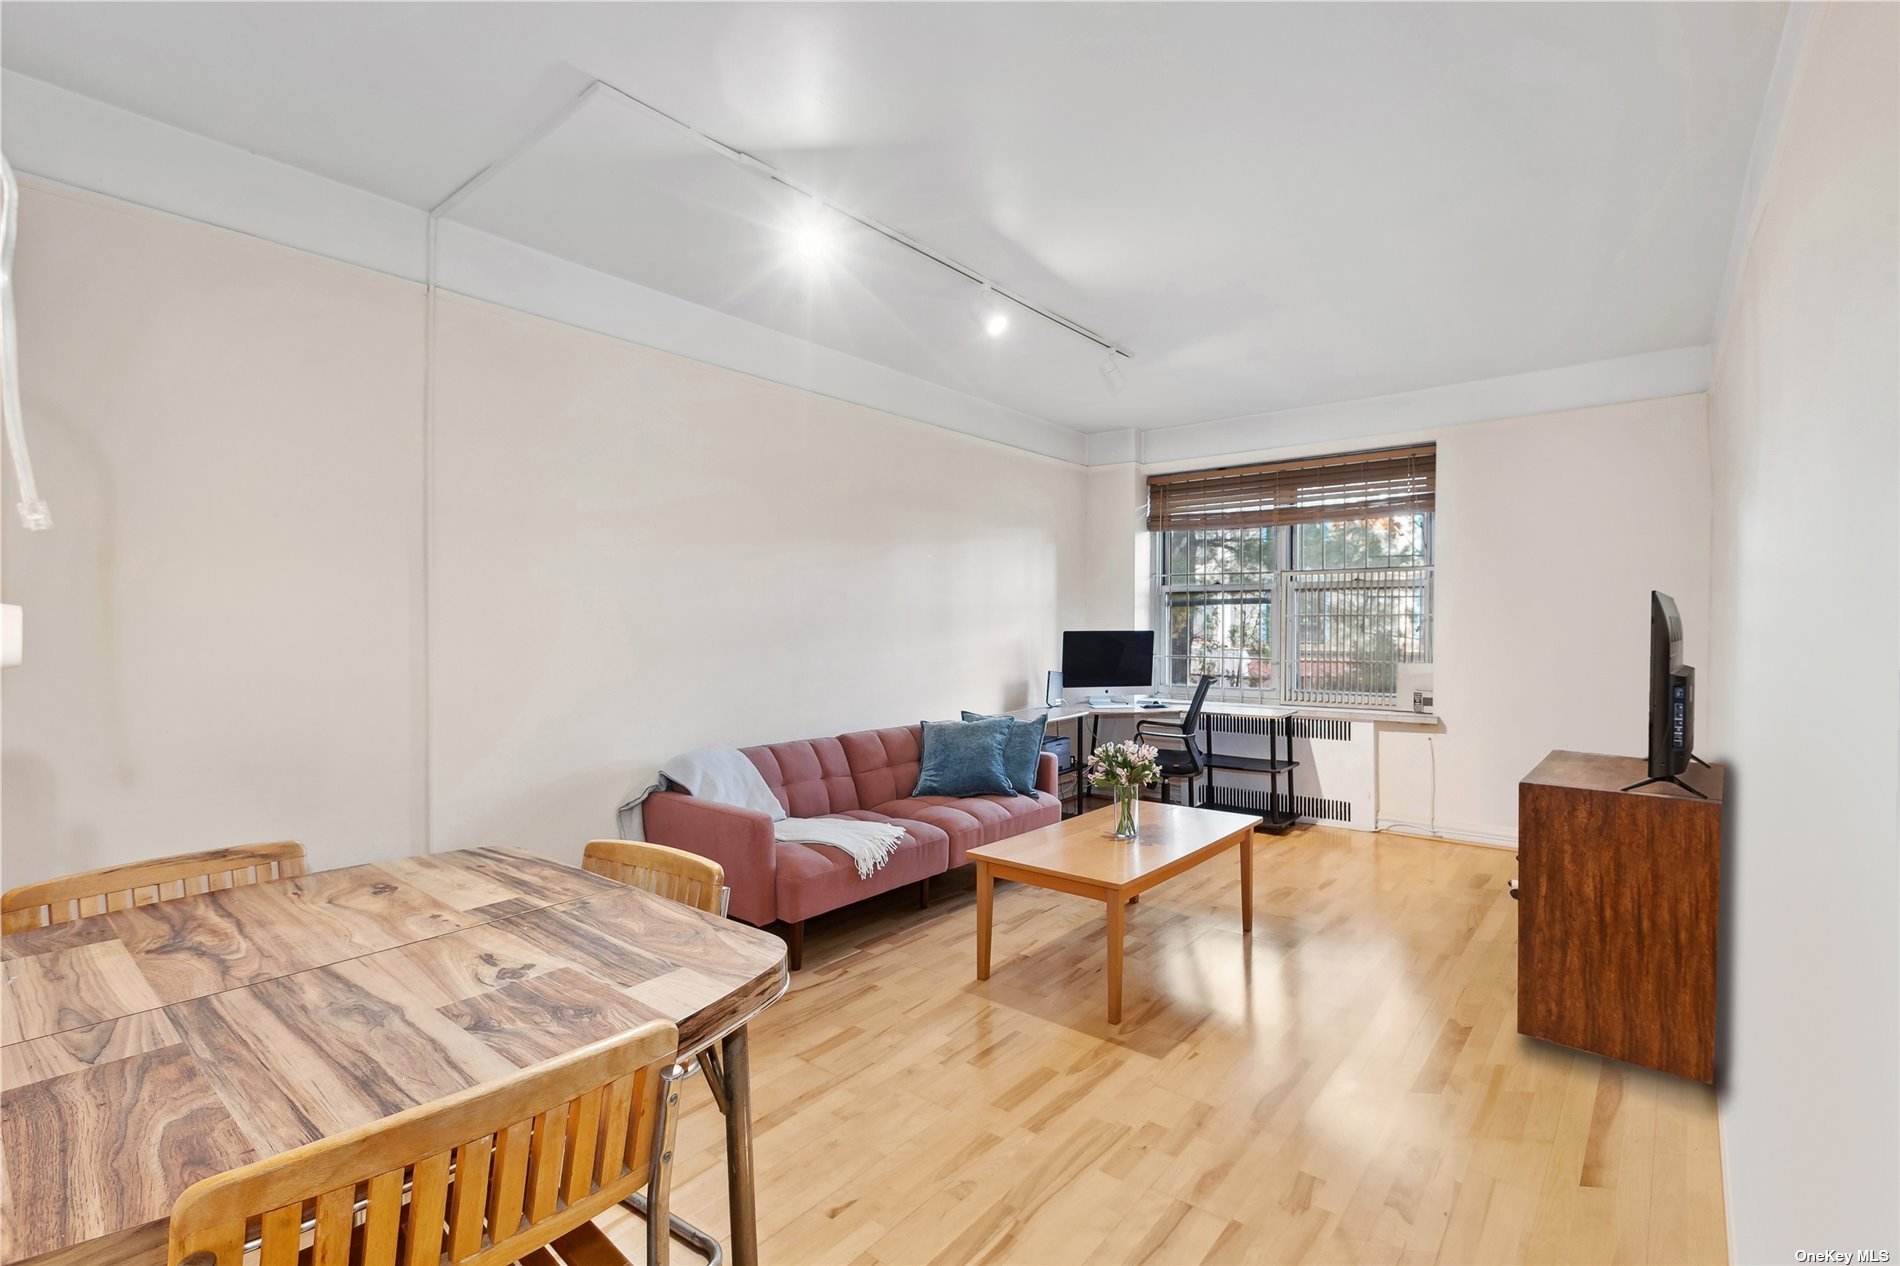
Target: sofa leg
x=923 y=893
x=796 y=942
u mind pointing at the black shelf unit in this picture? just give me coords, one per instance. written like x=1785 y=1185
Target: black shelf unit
x=1277 y=767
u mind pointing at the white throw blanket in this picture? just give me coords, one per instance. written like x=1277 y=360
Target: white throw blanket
x=723 y=775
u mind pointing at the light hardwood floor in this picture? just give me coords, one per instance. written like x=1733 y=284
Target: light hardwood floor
x=1348 y=1088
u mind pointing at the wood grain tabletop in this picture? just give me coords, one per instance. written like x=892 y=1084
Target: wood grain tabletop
x=147 y=1048
x=1173 y=837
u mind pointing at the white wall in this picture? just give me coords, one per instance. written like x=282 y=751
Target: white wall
x=1116 y=573
x=1550 y=532
x=632 y=553
x=223 y=633
x=1803 y=699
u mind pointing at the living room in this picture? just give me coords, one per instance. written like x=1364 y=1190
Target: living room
x=450 y=424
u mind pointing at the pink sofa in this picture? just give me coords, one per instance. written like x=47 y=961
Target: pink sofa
x=869 y=774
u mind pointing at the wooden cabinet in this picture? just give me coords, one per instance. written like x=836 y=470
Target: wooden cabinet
x=1618 y=904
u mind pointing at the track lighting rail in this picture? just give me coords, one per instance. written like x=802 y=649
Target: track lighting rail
x=758 y=166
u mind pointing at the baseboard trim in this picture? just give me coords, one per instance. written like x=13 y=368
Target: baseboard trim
x=1451 y=834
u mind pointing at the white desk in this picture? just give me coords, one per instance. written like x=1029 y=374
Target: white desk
x=1088 y=718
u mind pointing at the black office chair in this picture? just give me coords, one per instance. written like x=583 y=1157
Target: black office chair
x=1182 y=763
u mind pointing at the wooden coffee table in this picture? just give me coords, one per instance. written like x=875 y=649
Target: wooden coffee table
x=1077 y=856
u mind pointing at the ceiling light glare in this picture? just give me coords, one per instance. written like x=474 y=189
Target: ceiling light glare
x=1112 y=374
x=991 y=317
x=814 y=239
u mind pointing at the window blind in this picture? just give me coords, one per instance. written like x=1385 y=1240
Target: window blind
x=1311 y=490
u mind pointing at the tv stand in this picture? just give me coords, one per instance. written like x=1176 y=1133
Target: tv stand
x=1619 y=897
x=1673 y=780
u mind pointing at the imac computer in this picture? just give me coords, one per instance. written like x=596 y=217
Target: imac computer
x=1108 y=659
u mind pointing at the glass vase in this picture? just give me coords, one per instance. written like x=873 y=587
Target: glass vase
x=1126 y=800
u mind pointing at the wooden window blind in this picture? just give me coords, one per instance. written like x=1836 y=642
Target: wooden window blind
x=1312 y=490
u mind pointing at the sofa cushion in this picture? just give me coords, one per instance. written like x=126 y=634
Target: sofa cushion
x=1022 y=753
x=883 y=762
x=973 y=820
x=813 y=878
x=811 y=778
x=965 y=758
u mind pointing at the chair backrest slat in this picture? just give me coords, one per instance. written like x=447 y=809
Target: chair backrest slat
x=94 y=892
x=506 y=1189
x=382 y=1219
x=281 y=1234
x=468 y=1199
x=523 y=1149
x=335 y=1220
x=545 y=1154
x=428 y=1209
x=613 y=1132
x=672 y=873
x=583 y=1138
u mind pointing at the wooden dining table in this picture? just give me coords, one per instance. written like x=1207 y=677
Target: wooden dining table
x=144 y=1049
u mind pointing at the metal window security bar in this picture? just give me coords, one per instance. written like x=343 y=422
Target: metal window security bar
x=1348 y=632
x=1228 y=605
x=1217 y=593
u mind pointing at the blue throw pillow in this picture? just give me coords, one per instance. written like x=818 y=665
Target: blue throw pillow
x=1022 y=753
x=964 y=758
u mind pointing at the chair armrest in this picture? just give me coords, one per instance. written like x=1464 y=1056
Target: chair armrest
x=1048 y=775
x=1172 y=732
x=740 y=840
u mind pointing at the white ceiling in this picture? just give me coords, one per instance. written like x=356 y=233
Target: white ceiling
x=1271 y=206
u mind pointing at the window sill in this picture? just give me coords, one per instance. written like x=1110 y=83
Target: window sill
x=1388 y=716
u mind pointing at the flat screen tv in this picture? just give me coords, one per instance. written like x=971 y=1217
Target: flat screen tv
x=1098 y=658
x=1671 y=695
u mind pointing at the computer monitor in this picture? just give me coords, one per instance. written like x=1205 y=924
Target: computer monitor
x=1098 y=658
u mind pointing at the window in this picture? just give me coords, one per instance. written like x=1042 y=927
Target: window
x=1306 y=582
x=1218 y=588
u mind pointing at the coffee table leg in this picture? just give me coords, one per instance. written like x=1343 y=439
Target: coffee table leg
x=1246 y=883
x=985 y=898
x=1117 y=907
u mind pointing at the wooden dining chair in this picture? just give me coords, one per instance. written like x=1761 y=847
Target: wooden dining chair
x=93 y=892
x=694 y=881
x=672 y=873
x=511 y=1171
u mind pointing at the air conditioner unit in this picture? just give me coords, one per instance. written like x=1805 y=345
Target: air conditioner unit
x=1415 y=687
